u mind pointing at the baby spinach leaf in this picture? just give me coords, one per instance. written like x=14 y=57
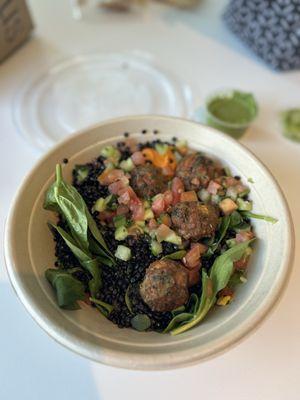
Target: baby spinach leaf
x=207 y=300
x=177 y=255
x=103 y=307
x=177 y=320
x=218 y=278
x=223 y=227
x=68 y=289
x=50 y=200
x=74 y=214
x=249 y=214
x=222 y=268
x=235 y=219
x=85 y=259
x=128 y=301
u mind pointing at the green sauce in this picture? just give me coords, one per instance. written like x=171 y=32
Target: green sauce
x=291 y=124
x=234 y=108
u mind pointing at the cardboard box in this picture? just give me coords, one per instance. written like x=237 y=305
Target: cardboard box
x=15 y=25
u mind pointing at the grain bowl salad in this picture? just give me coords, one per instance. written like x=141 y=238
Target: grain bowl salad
x=153 y=235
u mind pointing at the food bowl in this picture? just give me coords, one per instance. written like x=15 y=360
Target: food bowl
x=29 y=251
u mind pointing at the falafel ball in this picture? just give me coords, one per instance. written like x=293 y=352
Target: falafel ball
x=165 y=286
x=193 y=220
x=147 y=180
x=196 y=171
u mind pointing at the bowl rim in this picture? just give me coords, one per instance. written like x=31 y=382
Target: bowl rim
x=115 y=357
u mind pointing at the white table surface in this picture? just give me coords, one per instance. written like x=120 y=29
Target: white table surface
x=200 y=50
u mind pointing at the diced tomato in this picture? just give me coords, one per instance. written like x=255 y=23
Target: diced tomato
x=193 y=277
x=158 y=206
x=230 y=181
x=138 y=211
x=188 y=196
x=226 y=292
x=109 y=176
x=152 y=224
x=202 y=247
x=244 y=236
x=163 y=231
x=177 y=189
x=138 y=158
x=166 y=220
x=107 y=216
x=122 y=209
x=117 y=186
x=240 y=188
x=241 y=264
x=213 y=187
x=168 y=197
x=128 y=196
x=192 y=258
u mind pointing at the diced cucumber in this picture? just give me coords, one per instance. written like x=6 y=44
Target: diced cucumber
x=173 y=238
x=121 y=233
x=161 y=148
x=244 y=205
x=119 y=220
x=156 y=247
x=146 y=204
x=101 y=204
x=231 y=192
x=215 y=198
x=140 y=223
x=181 y=143
x=123 y=253
x=148 y=214
x=204 y=195
x=111 y=152
x=82 y=172
x=127 y=165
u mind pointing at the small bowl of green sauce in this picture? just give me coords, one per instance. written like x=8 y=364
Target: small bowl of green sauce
x=291 y=124
x=231 y=111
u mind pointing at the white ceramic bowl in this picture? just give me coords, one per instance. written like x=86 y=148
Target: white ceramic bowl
x=29 y=250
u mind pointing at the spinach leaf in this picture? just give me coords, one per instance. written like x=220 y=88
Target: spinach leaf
x=223 y=227
x=177 y=320
x=249 y=214
x=103 y=307
x=68 y=289
x=222 y=268
x=235 y=219
x=50 y=200
x=218 y=278
x=177 y=255
x=85 y=259
x=65 y=199
x=128 y=301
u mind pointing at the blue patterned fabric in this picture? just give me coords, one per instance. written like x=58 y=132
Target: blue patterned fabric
x=271 y=28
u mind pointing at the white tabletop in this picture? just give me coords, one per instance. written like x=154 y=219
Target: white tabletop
x=199 y=49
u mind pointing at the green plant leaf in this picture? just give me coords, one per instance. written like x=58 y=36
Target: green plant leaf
x=222 y=268
x=85 y=259
x=103 y=307
x=128 y=301
x=207 y=300
x=177 y=255
x=50 y=200
x=68 y=289
x=218 y=278
x=250 y=214
x=223 y=227
x=177 y=320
